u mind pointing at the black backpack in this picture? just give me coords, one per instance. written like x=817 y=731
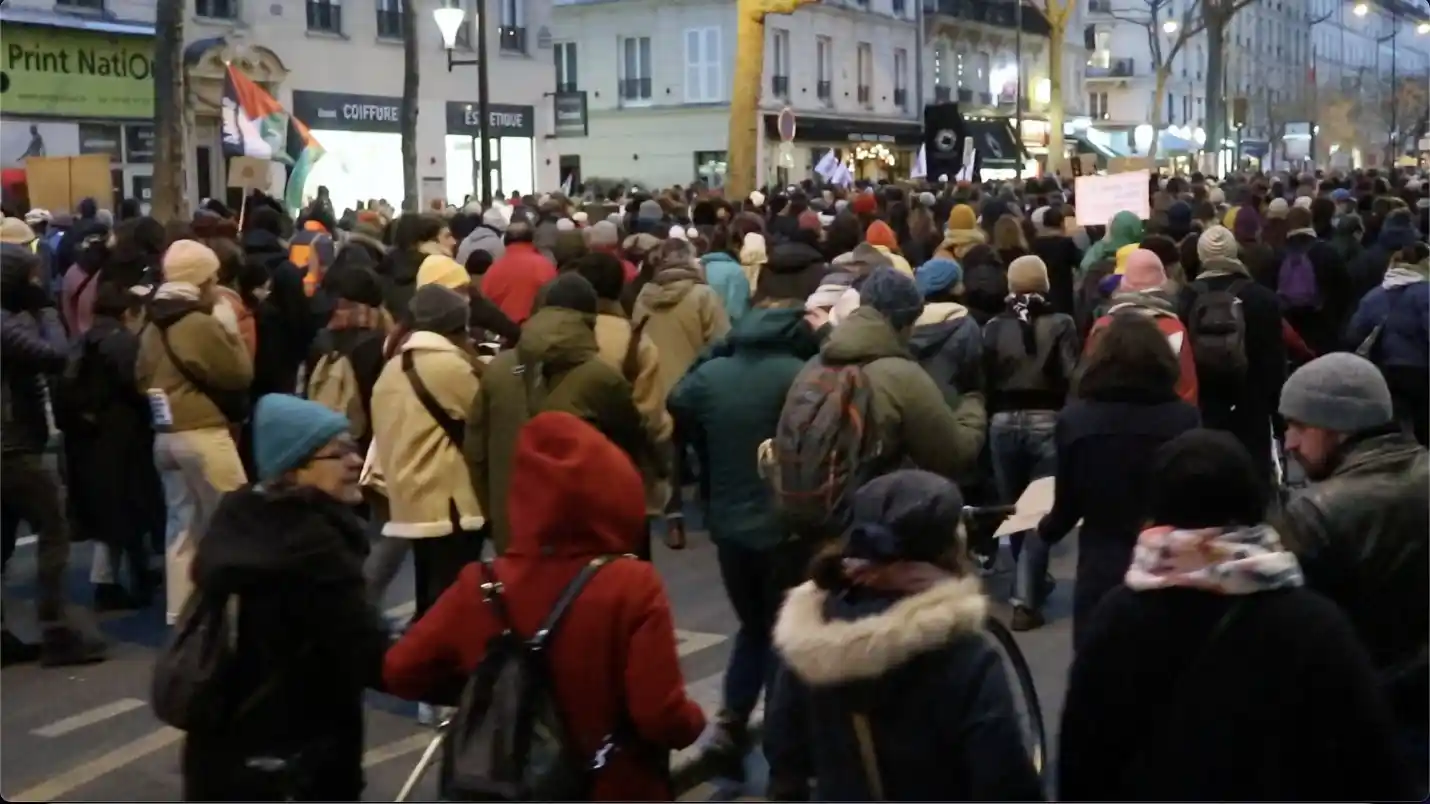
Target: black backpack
x=194 y=678
x=83 y=391
x=1216 y=326
x=508 y=740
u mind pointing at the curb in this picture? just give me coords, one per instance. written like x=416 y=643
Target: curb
x=694 y=766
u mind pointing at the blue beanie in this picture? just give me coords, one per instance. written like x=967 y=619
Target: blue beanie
x=937 y=275
x=1341 y=194
x=288 y=430
x=893 y=295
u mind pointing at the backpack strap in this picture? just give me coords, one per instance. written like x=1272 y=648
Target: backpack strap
x=631 y=364
x=538 y=640
x=456 y=432
x=864 y=736
x=228 y=411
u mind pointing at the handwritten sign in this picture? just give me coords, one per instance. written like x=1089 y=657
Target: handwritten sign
x=247 y=172
x=1101 y=197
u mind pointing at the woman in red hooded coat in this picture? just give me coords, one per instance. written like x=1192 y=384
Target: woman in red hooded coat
x=575 y=496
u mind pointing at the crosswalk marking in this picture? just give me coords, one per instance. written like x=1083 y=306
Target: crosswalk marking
x=688 y=642
x=93 y=716
x=57 y=787
x=397 y=748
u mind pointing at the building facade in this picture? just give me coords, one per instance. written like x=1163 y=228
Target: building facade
x=1290 y=65
x=336 y=64
x=657 y=76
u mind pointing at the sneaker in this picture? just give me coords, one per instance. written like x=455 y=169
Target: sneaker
x=675 y=533
x=64 y=647
x=1026 y=618
x=728 y=745
x=113 y=597
x=15 y=651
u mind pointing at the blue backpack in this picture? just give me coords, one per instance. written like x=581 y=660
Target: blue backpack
x=1296 y=282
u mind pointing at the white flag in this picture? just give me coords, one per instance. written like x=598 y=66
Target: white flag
x=827 y=165
x=920 y=168
x=566 y=186
x=843 y=176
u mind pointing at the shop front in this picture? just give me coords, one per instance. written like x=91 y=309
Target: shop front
x=872 y=149
x=511 y=145
x=78 y=87
x=361 y=136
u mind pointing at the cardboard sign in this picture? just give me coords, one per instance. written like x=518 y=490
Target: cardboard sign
x=1087 y=163
x=1127 y=164
x=248 y=173
x=61 y=182
x=1101 y=197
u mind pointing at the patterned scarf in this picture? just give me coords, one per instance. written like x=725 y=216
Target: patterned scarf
x=348 y=314
x=1227 y=561
x=1025 y=306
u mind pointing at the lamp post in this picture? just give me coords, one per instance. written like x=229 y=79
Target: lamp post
x=449 y=21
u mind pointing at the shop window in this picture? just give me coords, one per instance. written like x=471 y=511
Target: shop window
x=325 y=15
x=389 y=19
x=216 y=9
x=710 y=167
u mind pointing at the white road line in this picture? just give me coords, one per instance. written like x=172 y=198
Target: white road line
x=688 y=642
x=397 y=748
x=93 y=716
x=58 y=787
x=26 y=541
x=401 y=610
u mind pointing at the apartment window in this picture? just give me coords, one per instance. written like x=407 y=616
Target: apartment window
x=565 y=66
x=1186 y=108
x=866 y=74
x=900 y=8
x=216 y=9
x=983 y=72
x=513 y=25
x=1102 y=49
x=635 y=70
x=901 y=78
x=779 y=78
x=92 y=5
x=325 y=15
x=703 y=79
x=389 y=19
x=1097 y=105
x=940 y=58
x=824 y=61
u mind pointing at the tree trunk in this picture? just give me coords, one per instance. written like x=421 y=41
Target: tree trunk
x=1161 y=88
x=1056 y=110
x=745 y=101
x=410 y=188
x=1216 y=97
x=170 y=195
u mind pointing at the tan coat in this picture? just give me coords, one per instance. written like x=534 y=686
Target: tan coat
x=210 y=351
x=425 y=473
x=613 y=339
x=685 y=315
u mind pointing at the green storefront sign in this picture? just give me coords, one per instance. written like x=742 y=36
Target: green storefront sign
x=72 y=73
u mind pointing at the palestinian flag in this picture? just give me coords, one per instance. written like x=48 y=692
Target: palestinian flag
x=256 y=125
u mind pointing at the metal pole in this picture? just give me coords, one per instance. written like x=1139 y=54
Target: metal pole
x=1018 y=101
x=483 y=107
x=1394 y=99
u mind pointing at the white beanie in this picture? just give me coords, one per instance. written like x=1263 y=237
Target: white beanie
x=1304 y=202
x=580 y=218
x=677 y=232
x=565 y=224
x=757 y=198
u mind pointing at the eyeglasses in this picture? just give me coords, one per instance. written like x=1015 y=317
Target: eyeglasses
x=340 y=451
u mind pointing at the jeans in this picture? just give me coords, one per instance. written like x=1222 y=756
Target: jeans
x=1022 y=446
x=31 y=493
x=196 y=467
x=755 y=582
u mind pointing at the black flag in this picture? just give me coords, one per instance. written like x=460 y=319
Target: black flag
x=943 y=140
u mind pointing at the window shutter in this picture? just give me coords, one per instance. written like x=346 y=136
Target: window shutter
x=712 y=65
x=645 y=67
x=571 y=64
x=692 y=66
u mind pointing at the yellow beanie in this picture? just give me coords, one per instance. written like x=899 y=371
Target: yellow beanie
x=439 y=269
x=1122 y=255
x=1229 y=219
x=961 y=218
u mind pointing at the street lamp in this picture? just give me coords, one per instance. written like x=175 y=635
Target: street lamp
x=1423 y=28
x=1361 y=9
x=449 y=22
x=1169 y=27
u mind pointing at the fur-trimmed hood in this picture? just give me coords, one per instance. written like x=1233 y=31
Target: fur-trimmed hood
x=824 y=651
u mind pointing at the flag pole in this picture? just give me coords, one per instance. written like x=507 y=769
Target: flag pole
x=242 y=210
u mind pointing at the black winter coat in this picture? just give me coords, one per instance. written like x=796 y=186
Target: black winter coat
x=286 y=320
x=985 y=283
x=794 y=271
x=305 y=626
x=32 y=344
x=1105 y=448
x=1245 y=412
x=1020 y=379
x=1282 y=706
x=938 y=700
x=1062 y=257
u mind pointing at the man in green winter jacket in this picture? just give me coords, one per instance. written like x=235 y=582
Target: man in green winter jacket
x=728 y=403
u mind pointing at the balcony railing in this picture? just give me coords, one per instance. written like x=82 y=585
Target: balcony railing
x=513 y=39
x=864 y=94
x=565 y=86
x=325 y=16
x=901 y=98
x=216 y=9
x=389 y=23
x=1116 y=68
x=1099 y=6
x=985 y=98
x=824 y=90
x=634 y=89
x=779 y=86
x=942 y=94
x=998 y=13
x=965 y=95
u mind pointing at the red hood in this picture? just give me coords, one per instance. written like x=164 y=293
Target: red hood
x=573 y=492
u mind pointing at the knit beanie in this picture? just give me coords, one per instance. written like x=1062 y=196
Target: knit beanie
x=1216 y=196
x=879 y=234
x=1028 y=274
x=569 y=246
x=1217 y=243
x=907 y=515
x=1340 y=392
x=1303 y=202
x=938 y=275
x=439 y=309
x=809 y=219
x=1179 y=216
x=1247 y=226
x=757 y=199
x=287 y=431
x=190 y=262
x=927 y=200
x=1144 y=272
x=494 y=219
x=1277 y=208
x=439 y=269
x=603 y=234
x=650 y=210
x=572 y=291
x=894 y=295
x=1205 y=479
x=1120 y=258
x=962 y=217
x=565 y=224
x=16 y=232
x=864 y=204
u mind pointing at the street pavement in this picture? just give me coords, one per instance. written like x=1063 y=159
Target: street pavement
x=87 y=734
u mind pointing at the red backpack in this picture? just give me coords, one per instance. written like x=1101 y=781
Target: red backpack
x=1171 y=326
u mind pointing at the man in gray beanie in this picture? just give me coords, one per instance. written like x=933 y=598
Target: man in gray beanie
x=1361 y=532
